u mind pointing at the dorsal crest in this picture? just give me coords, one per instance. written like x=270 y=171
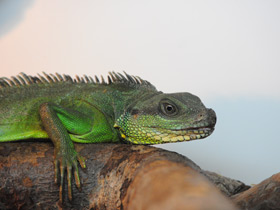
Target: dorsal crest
x=113 y=78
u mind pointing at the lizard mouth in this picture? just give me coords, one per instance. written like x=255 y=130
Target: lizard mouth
x=156 y=135
x=184 y=134
x=193 y=133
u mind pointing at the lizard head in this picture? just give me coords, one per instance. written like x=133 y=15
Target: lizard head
x=164 y=118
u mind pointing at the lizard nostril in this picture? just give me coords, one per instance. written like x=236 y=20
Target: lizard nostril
x=201 y=116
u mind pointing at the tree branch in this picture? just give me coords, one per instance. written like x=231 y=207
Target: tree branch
x=118 y=176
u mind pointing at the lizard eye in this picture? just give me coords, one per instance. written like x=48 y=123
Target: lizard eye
x=168 y=109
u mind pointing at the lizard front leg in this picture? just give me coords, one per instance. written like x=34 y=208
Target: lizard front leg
x=65 y=156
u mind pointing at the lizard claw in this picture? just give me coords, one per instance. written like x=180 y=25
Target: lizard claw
x=61 y=183
x=69 y=179
x=77 y=177
x=82 y=161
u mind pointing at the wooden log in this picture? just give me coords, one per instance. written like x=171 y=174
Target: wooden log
x=117 y=176
x=265 y=195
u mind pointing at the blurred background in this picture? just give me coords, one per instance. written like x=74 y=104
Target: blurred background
x=225 y=52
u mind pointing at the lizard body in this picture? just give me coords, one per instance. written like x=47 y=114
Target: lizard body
x=86 y=110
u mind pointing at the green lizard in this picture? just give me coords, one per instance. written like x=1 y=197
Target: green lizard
x=86 y=110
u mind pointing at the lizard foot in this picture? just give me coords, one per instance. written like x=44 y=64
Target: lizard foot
x=67 y=162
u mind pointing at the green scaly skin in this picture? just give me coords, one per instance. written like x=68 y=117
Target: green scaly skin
x=66 y=110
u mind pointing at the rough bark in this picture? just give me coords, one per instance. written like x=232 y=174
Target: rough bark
x=227 y=186
x=265 y=195
x=117 y=177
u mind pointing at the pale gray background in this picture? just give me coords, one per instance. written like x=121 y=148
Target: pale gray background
x=226 y=52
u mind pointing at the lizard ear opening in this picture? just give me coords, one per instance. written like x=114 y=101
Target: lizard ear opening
x=134 y=111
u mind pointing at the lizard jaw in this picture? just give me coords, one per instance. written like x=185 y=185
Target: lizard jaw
x=160 y=136
x=178 y=135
